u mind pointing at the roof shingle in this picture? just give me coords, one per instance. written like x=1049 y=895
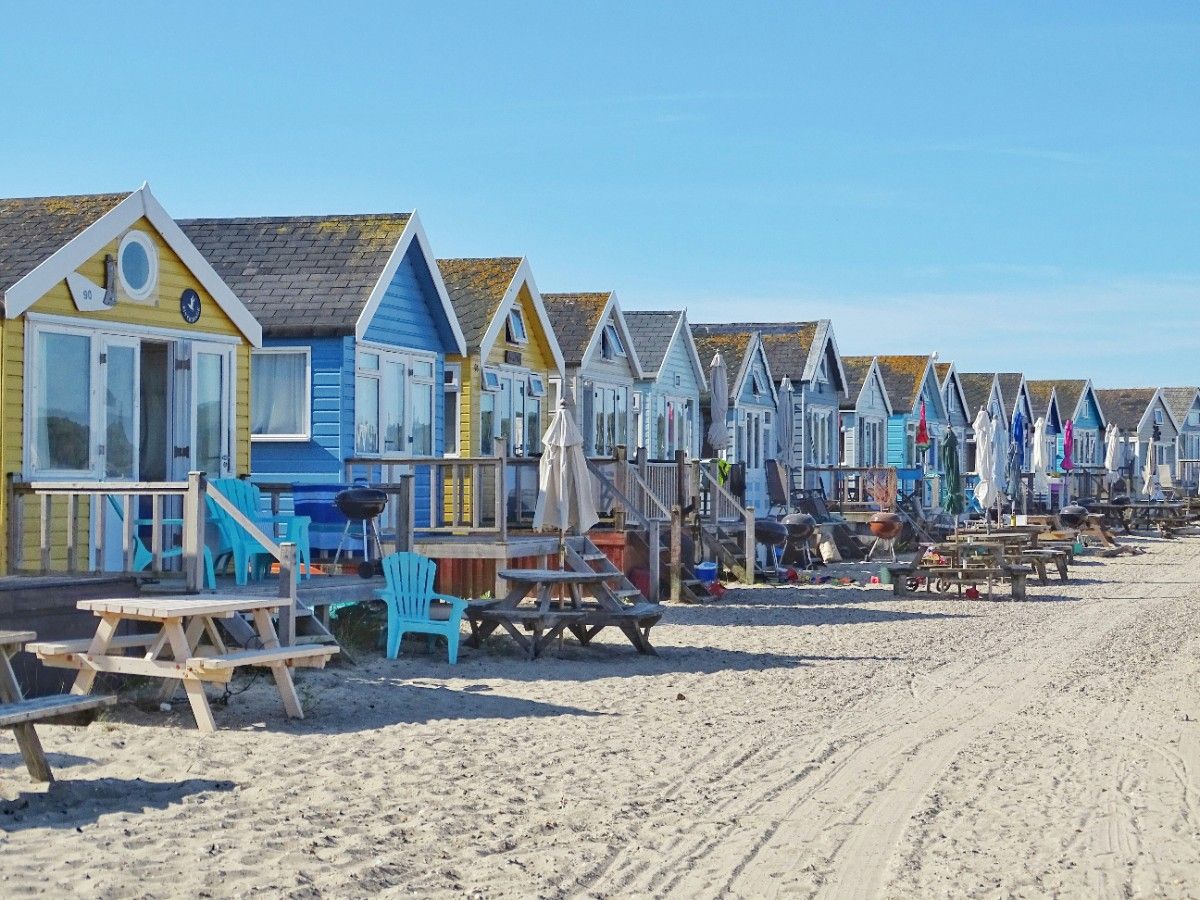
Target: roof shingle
x=652 y=331
x=902 y=378
x=574 y=318
x=477 y=288
x=1124 y=407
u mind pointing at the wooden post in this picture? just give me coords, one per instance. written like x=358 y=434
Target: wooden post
x=404 y=507
x=156 y=547
x=127 y=545
x=14 y=510
x=750 y=546
x=287 y=590
x=676 y=552
x=501 y=498
x=621 y=481
x=193 y=532
x=44 y=533
x=681 y=478
x=72 y=531
x=713 y=496
x=655 y=560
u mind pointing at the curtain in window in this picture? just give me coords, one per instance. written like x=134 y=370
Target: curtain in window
x=278 y=399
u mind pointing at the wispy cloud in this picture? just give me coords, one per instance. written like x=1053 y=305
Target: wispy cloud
x=988 y=148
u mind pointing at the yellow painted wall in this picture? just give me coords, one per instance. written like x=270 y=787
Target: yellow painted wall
x=161 y=311
x=536 y=356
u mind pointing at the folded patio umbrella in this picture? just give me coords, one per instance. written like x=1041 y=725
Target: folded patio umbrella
x=718 y=388
x=1113 y=458
x=1041 y=459
x=783 y=423
x=565 y=497
x=1018 y=439
x=1068 y=462
x=985 y=488
x=1000 y=457
x=1150 y=483
x=952 y=488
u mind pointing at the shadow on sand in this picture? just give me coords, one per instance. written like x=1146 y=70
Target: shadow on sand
x=72 y=804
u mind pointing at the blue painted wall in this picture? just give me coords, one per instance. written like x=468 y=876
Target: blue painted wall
x=678 y=361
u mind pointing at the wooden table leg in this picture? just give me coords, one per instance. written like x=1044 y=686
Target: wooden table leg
x=196 y=627
x=177 y=640
x=105 y=632
x=28 y=742
x=283 y=675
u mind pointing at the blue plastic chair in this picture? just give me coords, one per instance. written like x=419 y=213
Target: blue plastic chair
x=142 y=557
x=248 y=555
x=411 y=600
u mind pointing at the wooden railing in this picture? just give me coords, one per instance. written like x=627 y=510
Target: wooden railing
x=652 y=526
x=717 y=506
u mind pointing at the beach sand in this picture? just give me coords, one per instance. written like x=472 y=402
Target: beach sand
x=788 y=742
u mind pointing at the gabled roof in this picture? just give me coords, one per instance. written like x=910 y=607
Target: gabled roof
x=654 y=331
x=1042 y=394
x=794 y=348
x=858 y=371
x=483 y=290
x=903 y=377
x=977 y=389
x=1068 y=391
x=737 y=348
x=948 y=377
x=44 y=239
x=33 y=228
x=942 y=369
x=1179 y=401
x=577 y=318
x=315 y=275
x=1126 y=407
x=1010 y=389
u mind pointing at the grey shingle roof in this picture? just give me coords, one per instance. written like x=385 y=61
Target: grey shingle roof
x=574 y=318
x=652 y=331
x=977 y=388
x=902 y=378
x=1010 y=387
x=300 y=274
x=1068 y=390
x=1124 y=407
x=857 y=368
x=1039 y=398
x=732 y=345
x=1179 y=401
x=476 y=288
x=33 y=228
x=786 y=344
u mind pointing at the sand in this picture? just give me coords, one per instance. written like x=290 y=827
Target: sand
x=788 y=742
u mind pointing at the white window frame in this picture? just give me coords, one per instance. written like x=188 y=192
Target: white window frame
x=306 y=433
x=537 y=386
x=515 y=331
x=484 y=384
x=136 y=236
x=611 y=345
x=404 y=357
x=1159 y=418
x=452 y=384
x=33 y=394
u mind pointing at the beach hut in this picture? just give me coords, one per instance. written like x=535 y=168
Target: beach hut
x=1075 y=402
x=958 y=413
x=1014 y=394
x=357 y=326
x=866 y=409
x=500 y=386
x=1184 y=403
x=602 y=365
x=1043 y=402
x=1149 y=430
x=666 y=404
x=981 y=391
x=753 y=404
x=125 y=357
x=911 y=381
x=805 y=353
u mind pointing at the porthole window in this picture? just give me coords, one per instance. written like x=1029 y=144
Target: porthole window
x=137 y=265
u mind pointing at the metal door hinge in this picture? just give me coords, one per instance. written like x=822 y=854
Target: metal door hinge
x=183 y=365
x=103 y=358
x=183 y=452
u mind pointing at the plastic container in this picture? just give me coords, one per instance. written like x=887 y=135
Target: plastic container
x=706 y=572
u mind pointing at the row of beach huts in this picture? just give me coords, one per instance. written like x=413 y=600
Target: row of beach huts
x=137 y=348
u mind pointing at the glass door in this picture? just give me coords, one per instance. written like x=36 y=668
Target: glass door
x=212 y=431
x=119 y=433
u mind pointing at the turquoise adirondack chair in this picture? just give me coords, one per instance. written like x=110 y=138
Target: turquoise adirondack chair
x=249 y=557
x=143 y=557
x=413 y=606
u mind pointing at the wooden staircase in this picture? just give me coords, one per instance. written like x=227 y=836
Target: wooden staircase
x=581 y=555
x=727 y=544
x=692 y=589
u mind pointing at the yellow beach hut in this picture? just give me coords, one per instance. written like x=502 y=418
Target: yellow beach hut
x=124 y=356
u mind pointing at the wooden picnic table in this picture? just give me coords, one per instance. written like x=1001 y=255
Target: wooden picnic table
x=967 y=562
x=174 y=651
x=20 y=714
x=552 y=613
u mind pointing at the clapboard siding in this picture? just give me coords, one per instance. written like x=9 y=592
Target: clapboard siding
x=897 y=441
x=678 y=362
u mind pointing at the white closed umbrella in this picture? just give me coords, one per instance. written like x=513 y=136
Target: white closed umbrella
x=985 y=488
x=565 y=498
x=718 y=389
x=1150 y=483
x=1112 y=454
x=1041 y=459
x=783 y=423
x=1000 y=456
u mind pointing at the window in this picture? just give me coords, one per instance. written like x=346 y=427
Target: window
x=1158 y=417
x=515 y=329
x=62 y=403
x=491 y=380
x=280 y=405
x=394 y=403
x=610 y=426
x=758 y=384
x=610 y=342
x=451 y=396
x=537 y=387
x=137 y=265
x=1193 y=417
x=823 y=371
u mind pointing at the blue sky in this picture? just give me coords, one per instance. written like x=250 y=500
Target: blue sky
x=1016 y=187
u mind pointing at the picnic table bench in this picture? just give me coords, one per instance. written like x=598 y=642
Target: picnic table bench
x=969 y=564
x=20 y=714
x=174 y=651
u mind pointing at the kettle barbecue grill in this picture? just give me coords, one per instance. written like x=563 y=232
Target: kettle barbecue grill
x=363 y=505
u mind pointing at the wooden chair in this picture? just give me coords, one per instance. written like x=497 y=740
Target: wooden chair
x=412 y=604
x=142 y=557
x=249 y=557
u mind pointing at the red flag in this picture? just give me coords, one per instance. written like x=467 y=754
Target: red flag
x=922 y=429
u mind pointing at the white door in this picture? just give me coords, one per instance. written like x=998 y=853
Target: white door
x=212 y=409
x=119 y=437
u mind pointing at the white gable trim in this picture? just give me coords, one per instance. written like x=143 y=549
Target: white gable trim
x=612 y=308
x=823 y=340
x=755 y=347
x=413 y=231
x=682 y=327
x=141 y=203
x=930 y=372
x=962 y=395
x=873 y=372
x=523 y=276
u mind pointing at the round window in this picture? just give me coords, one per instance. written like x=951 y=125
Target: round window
x=137 y=265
